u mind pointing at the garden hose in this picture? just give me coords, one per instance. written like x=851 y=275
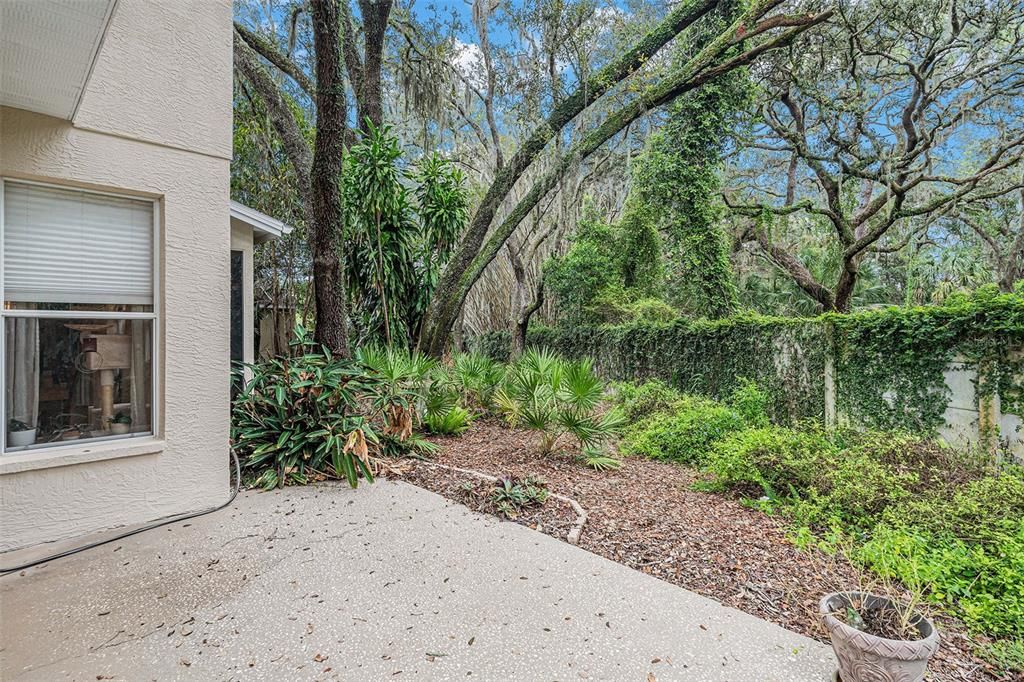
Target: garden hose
x=136 y=531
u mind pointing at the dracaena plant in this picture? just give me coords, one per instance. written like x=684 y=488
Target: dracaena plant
x=558 y=399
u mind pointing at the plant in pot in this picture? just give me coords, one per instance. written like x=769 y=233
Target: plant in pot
x=878 y=638
x=877 y=627
x=120 y=424
x=20 y=434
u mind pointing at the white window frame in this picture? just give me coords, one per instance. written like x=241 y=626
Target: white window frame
x=154 y=316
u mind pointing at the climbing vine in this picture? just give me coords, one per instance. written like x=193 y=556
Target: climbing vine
x=680 y=172
x=891 y=363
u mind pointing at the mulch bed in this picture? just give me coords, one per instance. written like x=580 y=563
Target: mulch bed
x=646 y=516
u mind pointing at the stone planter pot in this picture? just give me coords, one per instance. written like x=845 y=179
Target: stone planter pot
x=19 y=439
x=866 y=658
x=120 y=428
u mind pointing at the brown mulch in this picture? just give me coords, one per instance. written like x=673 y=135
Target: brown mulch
x=646 y=516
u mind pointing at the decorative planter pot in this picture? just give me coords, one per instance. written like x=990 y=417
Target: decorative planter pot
x=867 y=658
x=19 y=439
x=119 y=428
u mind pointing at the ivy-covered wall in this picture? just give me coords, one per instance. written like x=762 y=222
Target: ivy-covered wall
x=888 y=364
x=708 y=357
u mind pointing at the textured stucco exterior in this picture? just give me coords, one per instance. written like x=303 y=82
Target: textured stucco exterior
x=155 y=121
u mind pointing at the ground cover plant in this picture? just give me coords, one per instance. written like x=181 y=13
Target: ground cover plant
x=510 y=496
x=947 y=524
x=944 y=523
x=666 y=424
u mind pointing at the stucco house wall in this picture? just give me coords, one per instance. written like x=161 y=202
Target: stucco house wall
x=154 y=121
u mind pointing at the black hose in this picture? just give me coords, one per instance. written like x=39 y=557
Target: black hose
x=136 y=531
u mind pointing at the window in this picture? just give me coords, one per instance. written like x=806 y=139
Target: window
x=79 y=317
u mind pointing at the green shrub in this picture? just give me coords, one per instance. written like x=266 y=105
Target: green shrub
x=318 y=415
x=750 y=402
x=617 y=305
x=983 y=583
x=781 y=462
x=653 y=310
x=305 y=415
x=477 y=378
x=591 y=265
x=641 y=400
x=942 y=522
x=1004 y=654
x=684 y=435
x=851 y=479
x=976 y=511
x=934 y=464
x=451 y=422
x=859 y=489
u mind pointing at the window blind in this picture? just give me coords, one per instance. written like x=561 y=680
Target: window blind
x=67 y=246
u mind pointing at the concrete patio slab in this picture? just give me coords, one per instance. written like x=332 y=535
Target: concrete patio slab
x=389 y=582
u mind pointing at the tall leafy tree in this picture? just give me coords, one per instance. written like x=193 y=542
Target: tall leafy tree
x=278 y=79
x=894 y=113
x=680 y=172
x=718 y=56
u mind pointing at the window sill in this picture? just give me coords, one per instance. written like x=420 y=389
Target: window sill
x=70 y=455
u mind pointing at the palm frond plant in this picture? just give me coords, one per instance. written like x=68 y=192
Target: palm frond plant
x=453 y=421
x=556 y=398
x=442 y=411
x=599 y=460
x=477 y=378
x=401 y=394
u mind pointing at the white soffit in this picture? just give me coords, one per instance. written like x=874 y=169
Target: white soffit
x=47 y=49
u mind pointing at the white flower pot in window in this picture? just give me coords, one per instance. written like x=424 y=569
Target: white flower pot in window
x=19 y=439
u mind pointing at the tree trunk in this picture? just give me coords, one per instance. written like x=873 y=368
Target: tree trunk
x=1014 y=267
x=325 y=178
x=792 y=266
x=369 y=100
x=523 y=323
x=321 y=203
x=473 y=256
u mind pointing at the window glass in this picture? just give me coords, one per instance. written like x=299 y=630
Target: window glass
x=75 y=379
